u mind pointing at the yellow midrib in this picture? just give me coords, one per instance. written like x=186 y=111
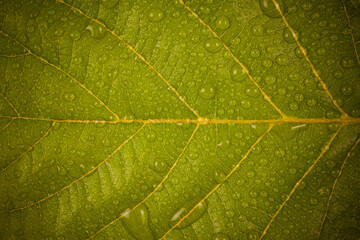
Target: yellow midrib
x=204 y=121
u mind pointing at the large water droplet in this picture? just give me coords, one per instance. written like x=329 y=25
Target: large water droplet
x=346 y=90
x=269 y=9
x=212 y=45
x=238 y=73
x=219 y=177
x=222 y=23
x=155 y=15
x=97 y=31
x=288 y=36
x=137 y=224
x=347 y=62
x=193 y=217
x=207 y=91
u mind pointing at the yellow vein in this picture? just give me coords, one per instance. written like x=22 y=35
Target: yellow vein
x=80 y=178
x=326 y=148
x=59 y=69
x=351 y=32
x=308 y=60
x=16 y=55
x=335 y=182
x=12 y=106
x=7 y=125
x=36 y=143
x=156 y=188
x=235 y=58
x=218 y=185
x=204 y=121
x=135 y=52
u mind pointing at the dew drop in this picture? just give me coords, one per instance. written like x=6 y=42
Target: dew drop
x=346 y=90
x=137 y=224
x=207 y=91
x=281 y=59
x=270 y=79
x=97 y=31
x=269 y=9
x=219 y=177
x=238 y=73
x=257 y=30
x=347 y=62
x=193 y=217
x=294 y=106
x=288 y=36
x=160 y=166
x=212 y=45
x=75 y=35
x=338 y=74
x=279 y=152
x=155 y=15
x=267 y=63
x=69 y=97
x=222 y=23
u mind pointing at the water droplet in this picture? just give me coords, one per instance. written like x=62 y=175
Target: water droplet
x=219 y=236
x=346 y=90
x=109 y=3
x=270 y=79
x=299 y=97
x=207 y=91
x=338 y=74
x=257 y=30
x=151 y=136
x=160 y=166
x=288 y=36
x=281 y=59
x=267 y=63
x=269 y=9
x=298 y=53
x=347 y=62
x=155 y=15
x=222 y=23
x=193 y=217
x=69 y=97
x=238 y=73
x=294 y=106
x=97 y=31
x=252 y=92
x=137 y=221
x=279 y=152
x=75 y=35
x=219 y=176
x=212 y=45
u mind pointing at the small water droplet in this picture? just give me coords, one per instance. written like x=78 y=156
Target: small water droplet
x=346 y=90
x=155 y=15
x=97 y=31
x=269 y=9
x=137 y=221
x=219 y=176
x=270 y=79
x=212 y=45
x=281 y=59
x=222 y=22
x=69 y=97
x=207 y=91
x=288 y=36
x=193 y=217
x=160 y=166
x=238 y=73
x=347 y=62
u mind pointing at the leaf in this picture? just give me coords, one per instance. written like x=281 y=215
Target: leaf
x=179 y=119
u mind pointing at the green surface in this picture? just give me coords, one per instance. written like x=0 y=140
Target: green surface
x=234 y=119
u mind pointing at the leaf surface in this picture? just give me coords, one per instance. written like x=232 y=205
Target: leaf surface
x=179 y=119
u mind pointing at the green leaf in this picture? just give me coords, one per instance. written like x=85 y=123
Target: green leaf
x=235 y=119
